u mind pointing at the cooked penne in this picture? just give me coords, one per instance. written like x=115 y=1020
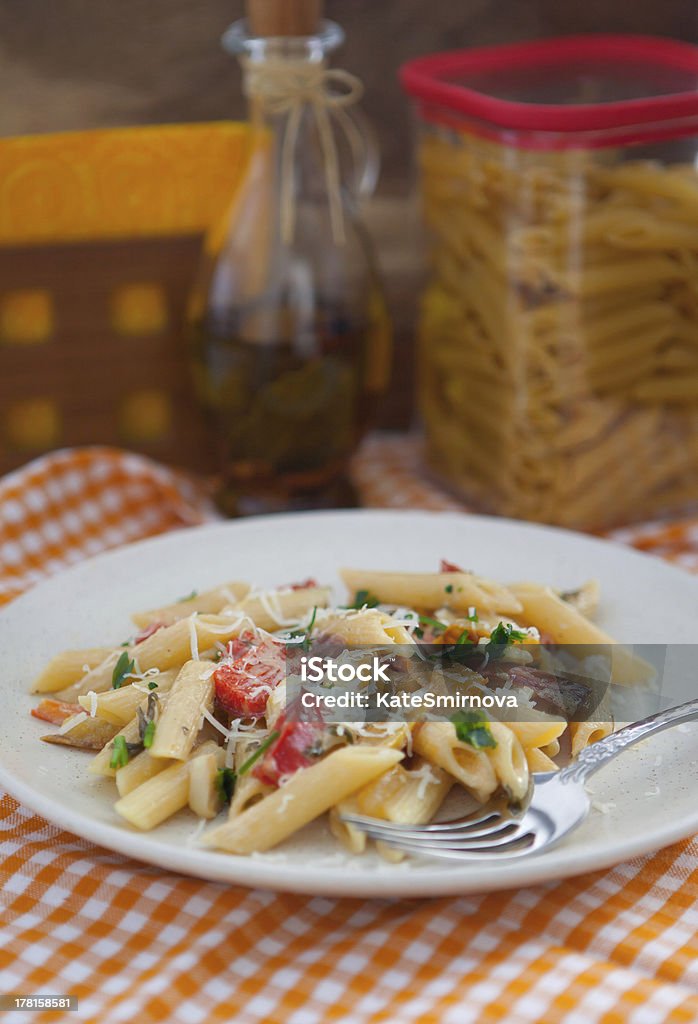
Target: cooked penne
x=308 y=794
x=197 y=713
x=437 y=743
x=459 y=590
x=584 y=733
x=179 y=724
x=68 y=668
x=138 y=770
x=204 y=796
x=566 y=625
x=273 y=609
x=160 y=796
x=130 y=734
x=119 y=706
x=210 y=602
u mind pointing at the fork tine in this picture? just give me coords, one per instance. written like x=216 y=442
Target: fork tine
x=508 y=832
x=510 y=847
x=389 y=829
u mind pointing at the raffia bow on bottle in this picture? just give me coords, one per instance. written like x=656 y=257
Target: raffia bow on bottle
x=287 y=88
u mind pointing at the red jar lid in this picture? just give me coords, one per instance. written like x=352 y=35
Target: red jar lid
x=609 y=89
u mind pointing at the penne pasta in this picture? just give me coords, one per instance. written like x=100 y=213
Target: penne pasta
x=197 y=715
x=119 y=706
x=68 y=668
x=160 y=796
x=308 y=794
x=178 y=726
x=210 y=602
x=438 y=744
x=460 y=590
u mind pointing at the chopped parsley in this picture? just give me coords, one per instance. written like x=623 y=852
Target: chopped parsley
x=472 y=615
x=501 y=636
x=363 y=599
x=424 y=620
x=120 y=753
x=225 y=784
x=473 y=728
x=123 y=668
x=188 y=597
x=261 y=749
x=449 y=588
x=149 y=734
x=304 y=633
x=464 y=638
x=152 y=686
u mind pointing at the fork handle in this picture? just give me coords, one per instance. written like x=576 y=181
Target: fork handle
x=599 y=754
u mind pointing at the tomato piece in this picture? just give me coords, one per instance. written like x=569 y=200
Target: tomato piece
x=305 y=585
x=445 y=566
x=55 y=711
x=291 y=751
x=243 y=685
x=148 y=631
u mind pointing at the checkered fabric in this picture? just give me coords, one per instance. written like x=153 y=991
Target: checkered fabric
x=134 y=943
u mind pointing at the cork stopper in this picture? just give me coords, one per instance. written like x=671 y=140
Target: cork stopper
x=284 y=17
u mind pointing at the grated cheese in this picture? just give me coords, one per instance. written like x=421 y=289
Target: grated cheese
x=193 y=639
x=74 y=720
x=285 y=801
x=426 y=778
x=93 y=703
x=215 y=723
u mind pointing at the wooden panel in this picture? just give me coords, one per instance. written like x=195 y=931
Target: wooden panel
x=86 y=367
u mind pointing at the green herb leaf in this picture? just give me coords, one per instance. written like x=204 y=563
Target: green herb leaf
x=449 y=588
x=363 y=599
x=188 y=597
x=424 y=620
x=473 y=728
x=123 y=668
x=464 y=638
x=261 y=749
x=501 y=636
x=225 y=784
x=472 y=615
x=305 y=633
x=152 y=686
x=120 y=754
x=149 y=735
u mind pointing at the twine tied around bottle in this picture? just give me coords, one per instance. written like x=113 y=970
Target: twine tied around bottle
x=286 y=87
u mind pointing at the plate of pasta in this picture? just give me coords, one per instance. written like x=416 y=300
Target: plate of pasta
x=148 y=705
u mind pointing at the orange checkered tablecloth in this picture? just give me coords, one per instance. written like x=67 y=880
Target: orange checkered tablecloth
x=137 y=944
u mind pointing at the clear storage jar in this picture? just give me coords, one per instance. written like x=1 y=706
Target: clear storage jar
x=558 y=352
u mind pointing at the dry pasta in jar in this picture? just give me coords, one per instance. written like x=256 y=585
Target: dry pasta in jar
x=559 y=333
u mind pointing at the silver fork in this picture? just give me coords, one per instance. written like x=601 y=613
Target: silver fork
x=555 y=804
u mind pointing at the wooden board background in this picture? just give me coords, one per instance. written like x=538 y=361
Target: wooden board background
x=77 y=65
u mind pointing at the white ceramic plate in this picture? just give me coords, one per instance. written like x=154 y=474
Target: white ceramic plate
x=647 y=796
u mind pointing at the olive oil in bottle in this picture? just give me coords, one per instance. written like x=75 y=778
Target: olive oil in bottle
x=289 y=335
